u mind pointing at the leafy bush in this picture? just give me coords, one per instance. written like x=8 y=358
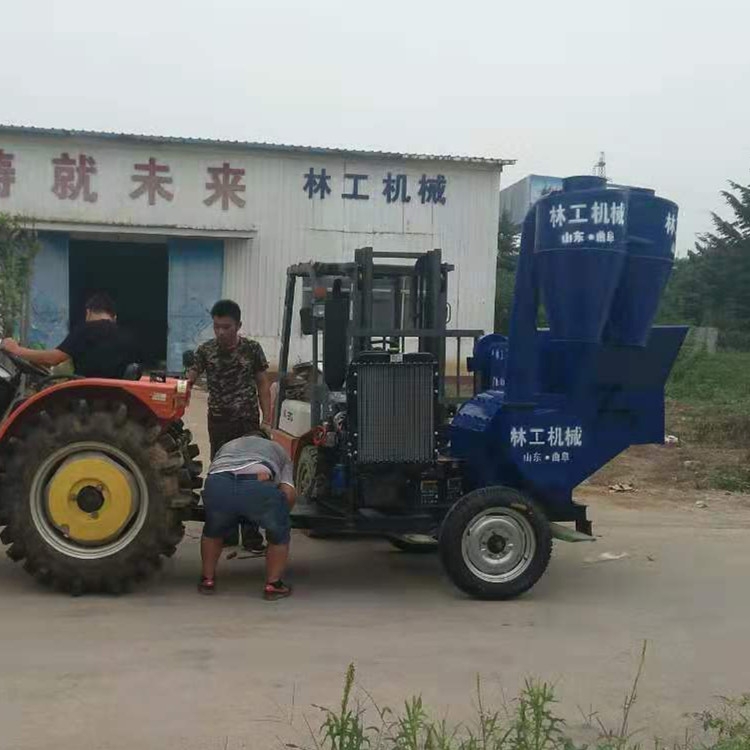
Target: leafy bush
x=18 y=246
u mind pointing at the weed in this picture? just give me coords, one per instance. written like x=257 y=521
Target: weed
x=344 y=729
x=730 y=725
x=411 y=727
x=620 y=738
x=535 y=726
x=527 y=723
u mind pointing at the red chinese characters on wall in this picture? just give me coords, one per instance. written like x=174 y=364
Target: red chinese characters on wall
x=152 y=182
x=225 y=184
x=7 y=173
x=72 y=177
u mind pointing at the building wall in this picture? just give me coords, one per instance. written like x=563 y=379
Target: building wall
x=518 y=198
x=272 y=223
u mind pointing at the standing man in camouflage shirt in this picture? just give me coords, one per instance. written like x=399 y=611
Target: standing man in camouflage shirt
x=238 y=384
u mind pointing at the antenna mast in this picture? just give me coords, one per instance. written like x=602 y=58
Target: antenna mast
x=600 y=168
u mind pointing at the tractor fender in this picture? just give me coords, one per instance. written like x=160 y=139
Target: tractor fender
x=166 y=401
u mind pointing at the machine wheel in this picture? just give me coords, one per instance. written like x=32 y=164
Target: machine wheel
x=92 y=497
x=308 y=481
x=415 y=544
x=495 y=543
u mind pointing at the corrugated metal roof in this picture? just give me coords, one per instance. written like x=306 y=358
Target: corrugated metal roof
x=253 y=145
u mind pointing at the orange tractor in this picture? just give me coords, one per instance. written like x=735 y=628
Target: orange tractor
x=96 y=476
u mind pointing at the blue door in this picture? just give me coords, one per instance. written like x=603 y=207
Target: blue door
x=196 y=271
x=49 y=309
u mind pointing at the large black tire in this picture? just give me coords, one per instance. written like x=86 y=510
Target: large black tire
x=136 y=448
x=190 y=474
x=495 y=543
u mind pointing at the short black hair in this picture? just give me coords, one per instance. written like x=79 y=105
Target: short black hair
x=101 y=302
x=227 y=308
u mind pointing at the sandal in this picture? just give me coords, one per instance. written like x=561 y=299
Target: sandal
x=207 y=586
x=276 y=590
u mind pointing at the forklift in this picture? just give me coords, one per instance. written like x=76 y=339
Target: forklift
x=369 y=438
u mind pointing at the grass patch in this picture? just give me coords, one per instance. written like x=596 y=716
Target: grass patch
x=530 y=722
x=709 y=398
x=708 y=408
x=721 y=378
x=731 y=478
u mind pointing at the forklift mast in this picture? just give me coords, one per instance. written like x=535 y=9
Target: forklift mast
x=347 y=308
x=426 y=317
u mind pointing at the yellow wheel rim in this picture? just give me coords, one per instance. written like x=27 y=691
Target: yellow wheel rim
x=91 y=498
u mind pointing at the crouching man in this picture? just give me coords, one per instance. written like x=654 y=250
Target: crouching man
x=250 y=479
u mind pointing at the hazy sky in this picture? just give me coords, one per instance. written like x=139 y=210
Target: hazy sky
x=661 y=87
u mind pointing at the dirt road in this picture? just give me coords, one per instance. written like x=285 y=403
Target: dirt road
x=165 y=668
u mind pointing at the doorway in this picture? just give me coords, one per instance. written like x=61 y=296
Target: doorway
x=136 y=276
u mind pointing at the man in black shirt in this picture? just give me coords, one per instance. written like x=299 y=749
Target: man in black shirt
x=98 y=348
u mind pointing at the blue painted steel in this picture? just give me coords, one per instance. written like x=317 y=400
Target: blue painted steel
x=579 y=263
x=490 y=360
x=581 y=392
x=196 y=270
x=338 y=479
x=50 y=295
x=652 y=226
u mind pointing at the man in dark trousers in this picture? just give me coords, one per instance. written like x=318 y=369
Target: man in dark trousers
x=238 y=390
x=250 y=478
x=97 y=348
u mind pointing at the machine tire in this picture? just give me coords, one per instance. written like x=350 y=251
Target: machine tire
x=426 y=545
x=306 y=478
x=137 y=450
x=497 y=515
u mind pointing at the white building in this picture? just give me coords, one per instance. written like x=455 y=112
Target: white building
x=518 y=198
x=170 y=225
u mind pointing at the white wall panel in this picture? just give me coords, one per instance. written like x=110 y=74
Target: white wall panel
x=284 y=224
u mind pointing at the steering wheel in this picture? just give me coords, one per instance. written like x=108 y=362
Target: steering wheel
x=26 y=367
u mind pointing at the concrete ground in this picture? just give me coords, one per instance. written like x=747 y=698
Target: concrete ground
x=165 y=668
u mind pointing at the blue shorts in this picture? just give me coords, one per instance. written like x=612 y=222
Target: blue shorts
x=231 y=498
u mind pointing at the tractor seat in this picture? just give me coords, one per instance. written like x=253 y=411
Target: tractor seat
x=132 y=372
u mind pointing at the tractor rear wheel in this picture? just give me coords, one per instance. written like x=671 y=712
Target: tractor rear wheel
x=92 y=497
x=190 y=473
x=495 y=543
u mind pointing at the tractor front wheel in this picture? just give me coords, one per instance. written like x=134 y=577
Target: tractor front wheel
x=495 y=543
x=92 y=497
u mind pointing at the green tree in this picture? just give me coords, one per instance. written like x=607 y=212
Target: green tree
x=18 y=246
x=683 y=299
x=726 y=267
x=505 y=270
x=711 y=287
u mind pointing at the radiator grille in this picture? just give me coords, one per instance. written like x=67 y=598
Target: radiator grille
x=396 y=412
